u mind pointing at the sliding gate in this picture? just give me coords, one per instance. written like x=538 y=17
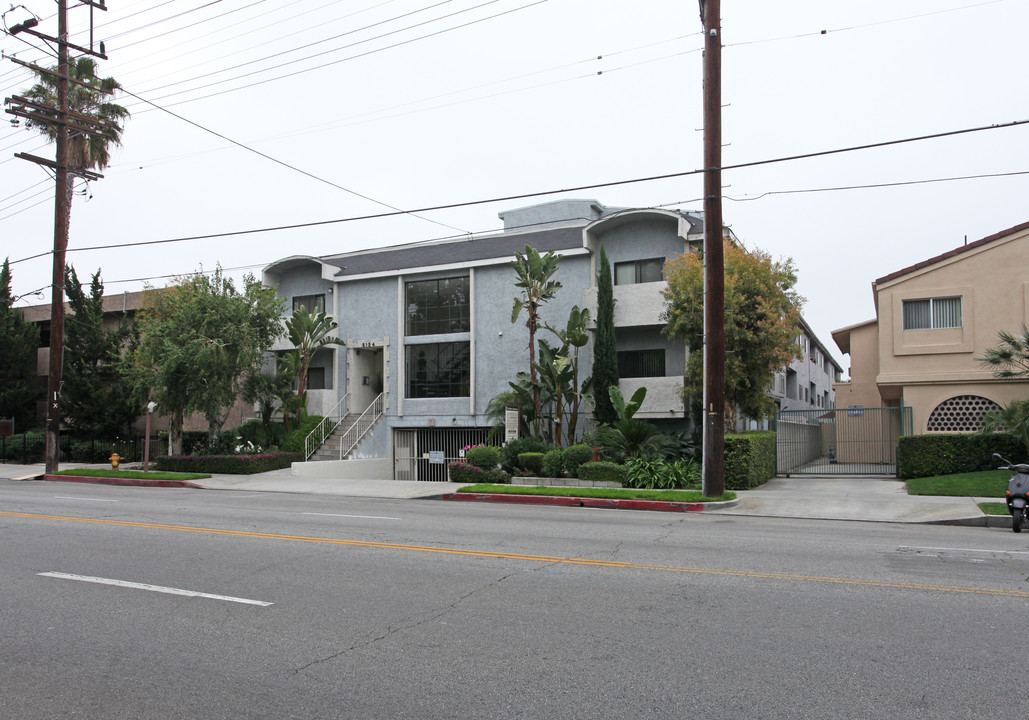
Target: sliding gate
x=852 y=441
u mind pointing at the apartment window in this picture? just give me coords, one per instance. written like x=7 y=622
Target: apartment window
x=316 y=378
x=639 y=271
x=932 y=313
x=311 y=303
x=641 y=363
x=438 y=306
x=436 y=370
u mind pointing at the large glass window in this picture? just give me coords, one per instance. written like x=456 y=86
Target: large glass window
x=641 y=363
x=639 y=271
x=312 y=303
x=932 y=313
x=438 y=306
x=439 y=370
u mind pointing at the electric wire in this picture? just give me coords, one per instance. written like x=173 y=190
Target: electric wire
x=541 y=193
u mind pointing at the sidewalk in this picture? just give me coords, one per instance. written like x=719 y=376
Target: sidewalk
x=823 y=498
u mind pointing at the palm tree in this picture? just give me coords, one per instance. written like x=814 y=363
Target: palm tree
x=309 y=333
x=1011 y=359
x=88 y=96
x=535 y=279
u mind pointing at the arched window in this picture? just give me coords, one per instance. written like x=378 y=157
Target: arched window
x=963 y=413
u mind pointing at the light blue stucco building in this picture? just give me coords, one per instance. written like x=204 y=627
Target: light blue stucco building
x=429 y=338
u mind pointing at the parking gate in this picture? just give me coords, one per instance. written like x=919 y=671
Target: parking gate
x=851 y=441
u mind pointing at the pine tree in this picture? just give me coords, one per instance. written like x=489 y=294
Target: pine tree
x=20 y=341
x=605 y=346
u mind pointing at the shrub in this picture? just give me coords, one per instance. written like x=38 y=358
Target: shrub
x=647 y=473
x=602 y=470
x=460 y=472
x=930 y=455
x=227 y=464
x=685 y=473
x=496 y=476
x=261 y=435
x=575 y=456
x=531 y=461
x=749 y=459
x=294 y=440
x=553 y=463
x=509 y=453
x=486 y=457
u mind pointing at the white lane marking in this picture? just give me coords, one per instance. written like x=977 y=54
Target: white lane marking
x=69 y=497
x=152 y=588
x=366 y=517
x=969 y=550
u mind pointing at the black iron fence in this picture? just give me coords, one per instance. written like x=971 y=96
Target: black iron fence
x=30 y=448
x=851 y=441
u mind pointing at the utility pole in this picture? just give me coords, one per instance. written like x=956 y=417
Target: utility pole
x=714 y=260
x=64 y=121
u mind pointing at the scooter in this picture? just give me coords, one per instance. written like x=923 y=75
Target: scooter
x=1017 y=495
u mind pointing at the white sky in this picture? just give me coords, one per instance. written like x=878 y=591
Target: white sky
x=516 y=104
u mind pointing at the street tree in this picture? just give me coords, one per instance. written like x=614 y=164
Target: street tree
x=198 y=341
x=605 y=346
x=536 y=281
x=762 y=319
x=20 y=340
x=95 y=398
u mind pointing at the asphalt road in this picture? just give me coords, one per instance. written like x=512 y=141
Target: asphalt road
x=334 y=607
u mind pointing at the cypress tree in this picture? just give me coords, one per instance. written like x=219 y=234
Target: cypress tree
x=605 y=347
x=19 y=341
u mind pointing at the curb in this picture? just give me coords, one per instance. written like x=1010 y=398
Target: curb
x=605 y=503
x=122 y=481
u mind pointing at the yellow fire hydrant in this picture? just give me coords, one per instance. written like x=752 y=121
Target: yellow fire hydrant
x=115 y=459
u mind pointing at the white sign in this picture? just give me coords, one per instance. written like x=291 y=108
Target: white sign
x=437 y=457
x=511 y=423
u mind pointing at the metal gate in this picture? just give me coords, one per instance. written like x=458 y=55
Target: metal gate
x=851 y=441
x=424 y=453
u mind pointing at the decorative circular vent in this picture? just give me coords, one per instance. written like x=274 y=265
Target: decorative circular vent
x=963 y=413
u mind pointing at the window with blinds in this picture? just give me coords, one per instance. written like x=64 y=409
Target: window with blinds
x=932 y=313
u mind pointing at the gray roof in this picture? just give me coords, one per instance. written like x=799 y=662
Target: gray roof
x=451 y=252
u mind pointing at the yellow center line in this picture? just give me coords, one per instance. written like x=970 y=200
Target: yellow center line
x=532 y=558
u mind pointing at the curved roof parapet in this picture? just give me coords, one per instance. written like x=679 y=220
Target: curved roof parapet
x=687 y=224
x=277 y=267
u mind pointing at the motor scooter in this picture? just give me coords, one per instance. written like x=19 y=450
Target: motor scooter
x=1017 y=495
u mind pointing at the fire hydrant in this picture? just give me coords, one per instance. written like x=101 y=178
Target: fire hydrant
x=115 y=459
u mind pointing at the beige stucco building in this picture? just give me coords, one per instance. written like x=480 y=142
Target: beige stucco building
x=933 y=320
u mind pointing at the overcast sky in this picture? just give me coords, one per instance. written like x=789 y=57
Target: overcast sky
x=351 y=108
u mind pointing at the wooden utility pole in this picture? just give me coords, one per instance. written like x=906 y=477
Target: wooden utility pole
x=64 y=121
x=714 y=261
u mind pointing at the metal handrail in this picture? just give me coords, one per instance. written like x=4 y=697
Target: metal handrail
x=323 y=429
x=360 y=427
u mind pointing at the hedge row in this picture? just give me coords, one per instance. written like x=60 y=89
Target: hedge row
x=749 y=459
x=227 y=464
x=931 y=455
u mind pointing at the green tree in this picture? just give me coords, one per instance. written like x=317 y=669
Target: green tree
x=762 y=317
x=90 y=97
x=309 y=333
x=1011 y=358
x=199 y=340
x=20 y=341
x=536 y=281
x=95 y=398
x=605 y=346
x=574 y=336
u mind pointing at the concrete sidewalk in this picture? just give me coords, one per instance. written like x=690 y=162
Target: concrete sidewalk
x=867 y=499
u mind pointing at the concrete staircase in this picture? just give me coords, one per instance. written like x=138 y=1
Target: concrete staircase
x=330 y=448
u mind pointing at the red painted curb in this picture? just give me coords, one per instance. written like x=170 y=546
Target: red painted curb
x=124 y=481
x=659 y=505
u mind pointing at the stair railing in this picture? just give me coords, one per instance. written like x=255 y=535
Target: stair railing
x=316 y=438
x=360 y=427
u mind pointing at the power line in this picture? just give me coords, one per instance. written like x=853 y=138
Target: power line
x=541 y=193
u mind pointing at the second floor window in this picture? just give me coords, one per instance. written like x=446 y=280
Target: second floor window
x=639 y=271
x=641 y=363
x=932 y=313
x=312 y=303
x=438 y=370
x=436 y=307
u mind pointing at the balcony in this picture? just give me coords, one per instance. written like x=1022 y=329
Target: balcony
x=635 y=305
x=664 y=396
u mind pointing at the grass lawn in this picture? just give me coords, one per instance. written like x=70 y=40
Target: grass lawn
x=606 y=493
x=988 y=483
x=994 y=508
x=131 y=474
